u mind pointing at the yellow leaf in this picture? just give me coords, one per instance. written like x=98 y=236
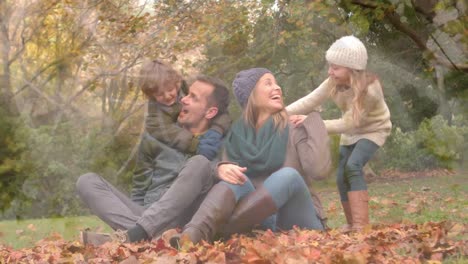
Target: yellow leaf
x=32 y=227
x=455 y=230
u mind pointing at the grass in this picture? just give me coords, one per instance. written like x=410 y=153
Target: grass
x=416 y=200
x=411 y=200
x=24 y=233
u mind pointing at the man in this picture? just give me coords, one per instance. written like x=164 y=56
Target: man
x=168 y=186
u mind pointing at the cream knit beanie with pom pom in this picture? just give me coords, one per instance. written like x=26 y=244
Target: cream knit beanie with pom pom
x=349 y=52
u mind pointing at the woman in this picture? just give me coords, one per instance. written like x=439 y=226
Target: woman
x=364 y=125
x=256 y=185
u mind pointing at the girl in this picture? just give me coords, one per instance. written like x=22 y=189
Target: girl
x=364 y=125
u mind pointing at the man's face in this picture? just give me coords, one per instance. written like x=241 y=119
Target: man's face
x=195 y=110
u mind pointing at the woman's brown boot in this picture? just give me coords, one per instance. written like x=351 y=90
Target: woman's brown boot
x=250 y=211
x=214 y=211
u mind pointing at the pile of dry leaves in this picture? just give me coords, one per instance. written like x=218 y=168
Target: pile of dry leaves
x=398 y=243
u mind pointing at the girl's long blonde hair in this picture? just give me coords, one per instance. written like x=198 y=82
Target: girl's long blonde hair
x=359 y=82
x=251 y=112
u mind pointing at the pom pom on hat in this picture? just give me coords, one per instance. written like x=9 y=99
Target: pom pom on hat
x=349 y=52
x=245 y=82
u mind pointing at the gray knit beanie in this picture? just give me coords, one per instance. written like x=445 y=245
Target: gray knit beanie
x=349 y=52
x=245 y=82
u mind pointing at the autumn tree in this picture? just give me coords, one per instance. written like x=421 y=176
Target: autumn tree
x=68 y=68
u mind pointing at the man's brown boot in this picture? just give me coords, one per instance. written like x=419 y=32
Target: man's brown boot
x=359 y=204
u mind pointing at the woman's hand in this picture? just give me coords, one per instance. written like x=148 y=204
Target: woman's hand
x=296 y=120
x=232 y=173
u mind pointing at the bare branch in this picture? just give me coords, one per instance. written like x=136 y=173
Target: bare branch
x=395 y=20
x=443 y=51
x=364 y=3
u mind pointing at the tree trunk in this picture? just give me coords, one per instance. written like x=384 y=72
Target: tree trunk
x=444 y=107
x=6 y=95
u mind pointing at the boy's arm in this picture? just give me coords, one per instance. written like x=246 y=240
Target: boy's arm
x=221 y=123
x=162 y=125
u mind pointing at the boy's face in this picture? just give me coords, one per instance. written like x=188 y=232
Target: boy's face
x=167 y=96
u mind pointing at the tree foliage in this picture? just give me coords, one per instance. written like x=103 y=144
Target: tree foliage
x=12 y=173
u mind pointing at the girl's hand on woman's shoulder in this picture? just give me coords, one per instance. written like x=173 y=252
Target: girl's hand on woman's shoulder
x=232 y=173
x=296 y=120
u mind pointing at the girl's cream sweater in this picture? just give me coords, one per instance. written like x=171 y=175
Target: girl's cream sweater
x=374 y=125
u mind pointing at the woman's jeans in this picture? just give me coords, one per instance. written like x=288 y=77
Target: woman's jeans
x=350 y=176
x=290 y=195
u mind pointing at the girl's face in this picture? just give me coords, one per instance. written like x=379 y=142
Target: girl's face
x=340 y=74
x=167 y=96
x=268 y=95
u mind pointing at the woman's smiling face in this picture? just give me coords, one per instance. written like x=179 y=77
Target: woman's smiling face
x=268 y=95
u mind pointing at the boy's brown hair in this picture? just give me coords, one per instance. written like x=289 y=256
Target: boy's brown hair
x=156 y=75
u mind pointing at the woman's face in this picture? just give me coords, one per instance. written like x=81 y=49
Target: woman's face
x=268 y=95
x=341 y=75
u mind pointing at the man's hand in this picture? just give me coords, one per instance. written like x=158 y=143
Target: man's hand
x=296 y=120
x=232 y=173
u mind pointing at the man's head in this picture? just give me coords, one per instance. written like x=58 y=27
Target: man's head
x=207 y=98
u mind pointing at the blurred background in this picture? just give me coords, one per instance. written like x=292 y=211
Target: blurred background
x=69 y=102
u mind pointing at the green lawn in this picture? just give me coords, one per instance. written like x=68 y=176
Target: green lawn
x=25 y=233
x=414 y=200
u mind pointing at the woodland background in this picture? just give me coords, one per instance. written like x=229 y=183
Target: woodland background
x=69 y=103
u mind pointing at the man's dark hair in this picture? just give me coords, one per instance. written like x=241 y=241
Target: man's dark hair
x=220 y=95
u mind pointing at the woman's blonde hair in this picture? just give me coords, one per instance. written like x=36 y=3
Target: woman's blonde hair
x=359 y=82
x=156 y=75
x=251 y=112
